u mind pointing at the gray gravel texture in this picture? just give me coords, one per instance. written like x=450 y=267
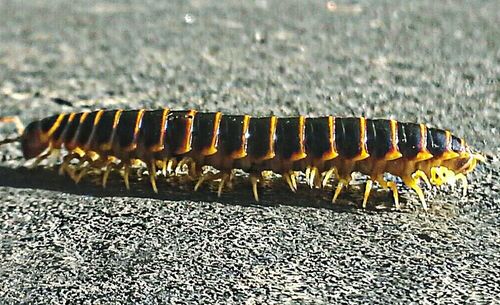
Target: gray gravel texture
x=423 y=61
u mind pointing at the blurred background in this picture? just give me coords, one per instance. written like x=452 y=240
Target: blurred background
x=410 y=60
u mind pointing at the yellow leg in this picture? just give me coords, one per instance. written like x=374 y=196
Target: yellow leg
x=328 y=174
x=368 y=188
x=412 y=183
x=164 y=167
x=419 y=174
x=291 y=180
x=180 y=166
x=436 y=176
x=314 y=178
x=342 y=182
x=207 y=177
x=171 y=166
x=66 y=161
x=392 y=186
x=479 y=158
x=202 y=179
x=226 y=177
x=105 y=176
x=85 y=170
x=126 y=173
x=308 y=176
x=254 y=179
x=81 y=174
x=108 y=166
x=293 y=177
x=40 y=158
x=152 y=175
x=193 y=171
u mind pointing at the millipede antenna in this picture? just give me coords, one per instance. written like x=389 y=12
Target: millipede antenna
x=11 y=140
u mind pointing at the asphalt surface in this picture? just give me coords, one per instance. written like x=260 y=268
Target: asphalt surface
x=430 y=61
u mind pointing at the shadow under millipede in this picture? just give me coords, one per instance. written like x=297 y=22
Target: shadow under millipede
x=273 y=194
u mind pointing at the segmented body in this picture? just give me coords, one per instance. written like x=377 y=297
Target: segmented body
x=319 y=146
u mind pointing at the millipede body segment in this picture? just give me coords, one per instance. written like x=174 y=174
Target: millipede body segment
x=321 y=147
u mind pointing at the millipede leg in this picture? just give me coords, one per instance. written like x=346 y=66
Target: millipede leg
x=170 y=166
x=126 y=173
x=207 y=177
x=291 y=180
x=152 y=175
x=64 y=168
x=395 y=194
x=328 y=174
x=313 y=177
x=105 y=175
x=412 y=183
x=293 y=177
x=436 y=176
x=200 y=182
x=180 y=165
x=40 y=158
x=368 y=188
x=342 y=182
x=308 y=174
x=82 y=173
x=254 y=179
x=450 y=177
x=189 y=163
x=419 y=174
x=392 y=186
x=86 y=169
x=164 y=168
x=226 y=177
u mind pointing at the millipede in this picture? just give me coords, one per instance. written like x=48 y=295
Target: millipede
x=163 y=140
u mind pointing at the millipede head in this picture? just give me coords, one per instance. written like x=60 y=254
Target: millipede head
x=465 y=162
x=33 y=142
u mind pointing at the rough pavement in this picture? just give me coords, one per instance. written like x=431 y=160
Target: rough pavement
x=429 y=61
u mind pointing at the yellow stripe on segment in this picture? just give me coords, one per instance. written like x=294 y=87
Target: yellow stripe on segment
x=272 y=135
x=98 y=117
x=332 y=152
x=394 y=152
x=272 y=131
x=302 y=153
x=448 y=153
x=212 y=149
x=83 y=117
x=71 y=117
x=78 y=129
x=116 y=120
x=423 y=154
x=56 y=124
x=138 y=122
x=92 y=133
x=161 y=145
x=244 y=137
x=186 y=144
x=363 y=154
x=137 y=127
